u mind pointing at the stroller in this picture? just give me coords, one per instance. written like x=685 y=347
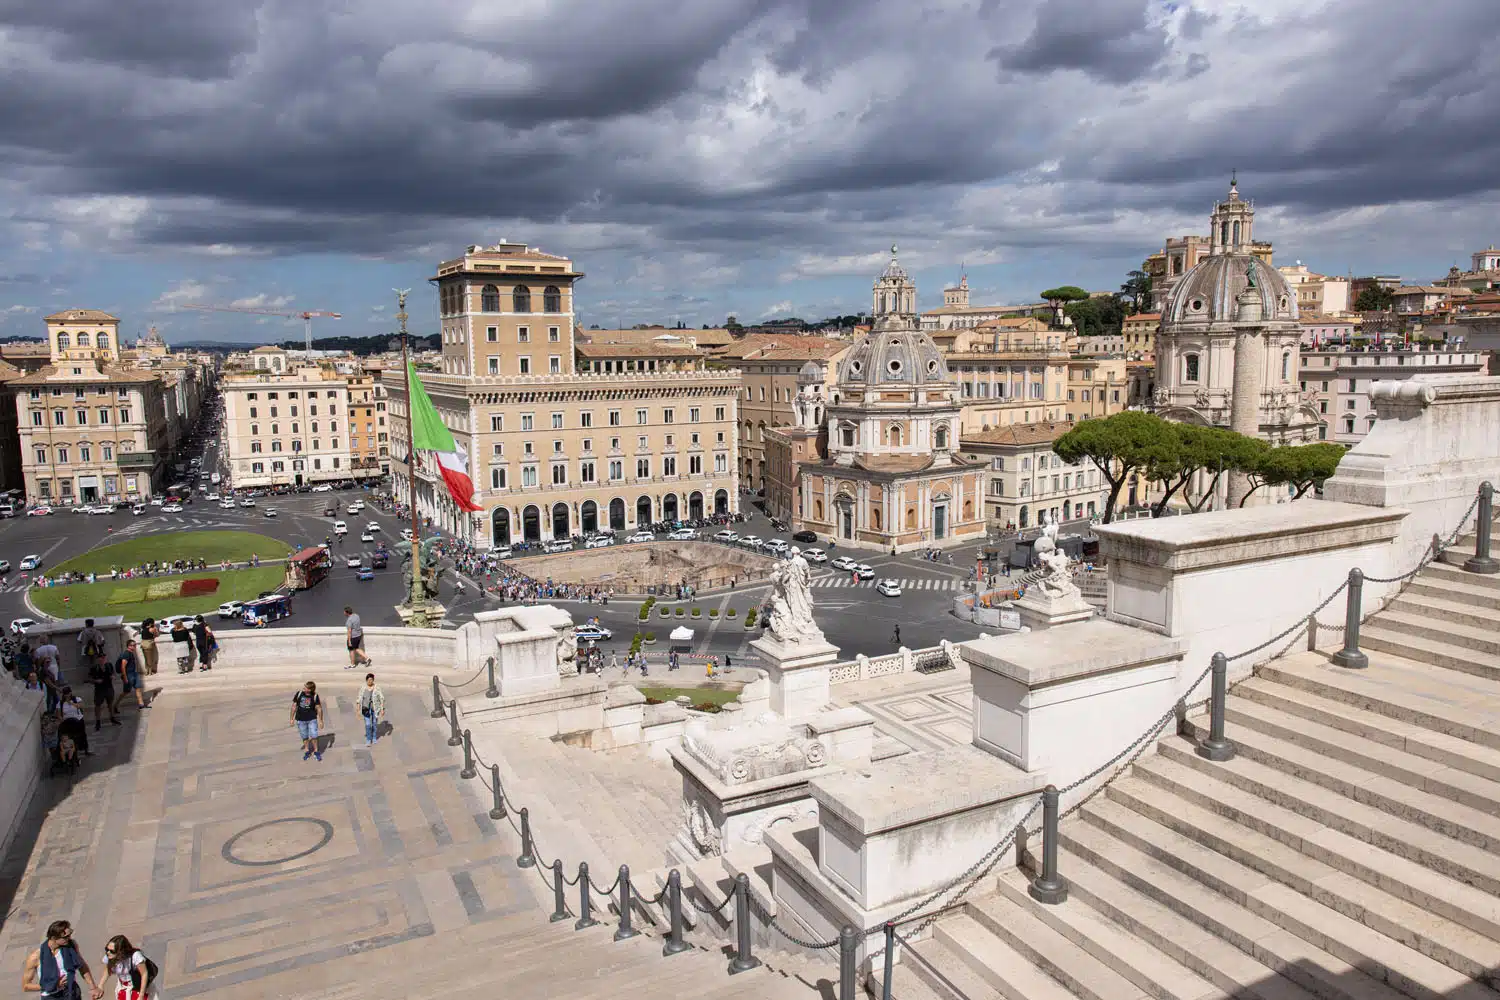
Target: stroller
x=62 y=752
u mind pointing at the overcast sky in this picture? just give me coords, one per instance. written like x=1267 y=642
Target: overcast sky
x=704 y=157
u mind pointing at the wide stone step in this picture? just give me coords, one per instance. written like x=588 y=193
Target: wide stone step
x=1443 y=701
x=1315 y=807
x=1457 y=591
x=1429 y=624
x=1419 y=772
x=1153 y=972
x=1236 y=859
x=1307 y=965
x=1436 y=609
x=1082 y=973
x=928 y=970
x=1473 y=824
x=982 y=954
x=1375 y=638
x=1450 y=751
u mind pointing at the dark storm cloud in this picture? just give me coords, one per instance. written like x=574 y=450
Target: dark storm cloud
x=187 y=38
x=1109 y=40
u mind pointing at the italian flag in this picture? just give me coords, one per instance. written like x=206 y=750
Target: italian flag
x=429 y=433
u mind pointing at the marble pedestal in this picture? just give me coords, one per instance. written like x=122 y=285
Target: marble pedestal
x=1040 y=610
x=798 y=672
x=433 y=611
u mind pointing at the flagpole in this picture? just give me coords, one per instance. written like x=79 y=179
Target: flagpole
x=417 y=598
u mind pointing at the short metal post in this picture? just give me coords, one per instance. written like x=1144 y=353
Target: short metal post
x=848 y=967
x=559 y=902
x=469 y=770
x=527 y=858
x=674 y=944
x=1350 y=656
x=1049 y=887
x=437 y=698
x=492 y=691
x=496 y=793
x=744 y=961
x=625 y=930
x=1216 y=747
x=890 y=960
x=1482 y=561
x=455 y=738
x=585 y=903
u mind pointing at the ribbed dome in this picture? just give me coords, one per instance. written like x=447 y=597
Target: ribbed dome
x=893 y=354
x=1207 y=293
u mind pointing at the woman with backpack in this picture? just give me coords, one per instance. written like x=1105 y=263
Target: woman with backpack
x=135 y=974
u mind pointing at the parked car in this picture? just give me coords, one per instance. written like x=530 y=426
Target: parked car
x=815 y=555
x=888 y=588
x=171 y=508
x=4 y=565
x=20 y=625
x=505 y=553
x=726 y=536
x=226 y=505
x=844 y=563
x=751 y=541
x=558 y=545
x=804 y=536
x=367 y=536
x=157 y=501
x=599 y=542
x=231 y=609
x=41 y=510
x=139 y=509
x=683 y=535
x=103 y=508
x=865 y=571
x=248 y=502
x=640 y=536
x=31 y=562
x=597 y=633
x=776 y=545
x=322 y=488
x=353 y=562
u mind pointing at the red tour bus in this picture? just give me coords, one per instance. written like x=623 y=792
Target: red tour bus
x=307 y=567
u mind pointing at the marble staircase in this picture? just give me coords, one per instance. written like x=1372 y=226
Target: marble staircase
x=1350 y=850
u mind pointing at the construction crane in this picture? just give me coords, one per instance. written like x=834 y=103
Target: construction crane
x=306 y=317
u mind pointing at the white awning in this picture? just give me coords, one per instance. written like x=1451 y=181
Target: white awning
x=681 y=634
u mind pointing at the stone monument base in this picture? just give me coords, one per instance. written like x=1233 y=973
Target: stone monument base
x=1040 y=610
x=433 y=611
x=798 y=672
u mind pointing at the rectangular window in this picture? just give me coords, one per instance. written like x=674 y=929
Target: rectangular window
x=588 y=445
x=718 y=413
x=58 y=416
x=666 y=415
x=553 y=334
x=693 y=412
x=557 y=447
x=257 y=467
x=559 y=475
x=669 y=465
x=41 y=456
x=643 y=468
x=523 y=334
x=124 y=416
x=640 y=443
x=528 y=475
x=721 y=463
x=525 y=366
x=497 y=478
x=695 y=465
x=497 y=423
x=103 y=415
x=62 y=456
x=494 y=365
x=614 y=444
x=492 y=334
x=586 y=472
x=85 y=453
x=554 y=365
x=36 y=418
x=640 y=416
x=614 y=418
x=82 y=416
x=557 y=421
x=317 y=462
x=527 y=421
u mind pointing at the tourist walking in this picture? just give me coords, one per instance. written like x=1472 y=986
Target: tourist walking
x=127 y=669
x=70 y=721
x=182 y=641
x=53 y=970
x=896 y=635
x=372 y=709
x=103 y=679
x=135 y=974
x=44 y=657
x=204 y=642
x=148 y=635
x=307 y=716
x=354 y=635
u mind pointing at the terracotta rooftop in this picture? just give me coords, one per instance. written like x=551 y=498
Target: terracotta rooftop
x=1143 y=317
x=25 y=350
x=784 y=347
x=1017 y=434
x=894 y=463
x=82 y=316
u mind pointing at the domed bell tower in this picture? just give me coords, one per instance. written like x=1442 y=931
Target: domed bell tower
x=1231 y=222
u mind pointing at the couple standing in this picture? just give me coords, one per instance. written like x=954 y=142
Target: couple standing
x=307 y=715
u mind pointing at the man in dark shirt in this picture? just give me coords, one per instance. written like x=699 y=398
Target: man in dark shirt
x=127 y=671
x=201 y=643
x=103 y=680
x=307 y=716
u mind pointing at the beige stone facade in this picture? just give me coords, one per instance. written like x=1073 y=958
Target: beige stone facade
x=1096 y=388
x=1317 y=294
x=1337 y=381
x=91 y=430
x=1139 y=332
x=1025 y=480
x=288 y=429
x=369 y=430
x=772 y=371
x=552 y=451
x=1019 y=381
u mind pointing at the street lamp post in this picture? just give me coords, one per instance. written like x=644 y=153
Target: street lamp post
x=416 y=598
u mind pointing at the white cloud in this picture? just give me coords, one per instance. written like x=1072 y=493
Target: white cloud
x=781 y=308
x=262 y=301
x=180 y=294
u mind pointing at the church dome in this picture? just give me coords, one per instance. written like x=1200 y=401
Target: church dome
x=893 y=353
x=1208 y=293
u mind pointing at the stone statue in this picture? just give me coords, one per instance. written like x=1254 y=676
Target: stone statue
x=791 y=603
x=1161 y=396
x=430 y=557
x=1202 y=398
x=1059 y=579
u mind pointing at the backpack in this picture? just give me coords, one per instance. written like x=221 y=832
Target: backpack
x=151 y=971
x=91 y=649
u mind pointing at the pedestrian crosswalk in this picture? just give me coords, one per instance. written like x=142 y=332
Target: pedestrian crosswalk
x=834 y=580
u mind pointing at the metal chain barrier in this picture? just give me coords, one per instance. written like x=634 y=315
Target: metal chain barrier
x=714 y=910
x=454 y=687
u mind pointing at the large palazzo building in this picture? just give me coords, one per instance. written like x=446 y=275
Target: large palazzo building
x=555 y=452
x=891 y=476
x=1229 y=350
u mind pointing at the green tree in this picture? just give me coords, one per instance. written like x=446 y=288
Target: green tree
x=732 y=324
x=1137 y=288
x=1119 y=446
x=1374 y=299
x=1192 y=449
x=1097 y=315
x=1301 y=466
x=1061 y=296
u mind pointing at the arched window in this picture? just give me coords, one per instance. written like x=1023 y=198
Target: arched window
x=940 y=437
x=1190 y=368
x=895 y=437
x=818 y=510
x=63 y=340
x=1236 y=233
x=551 y=299
x=1224 y=233
x=102 y=340
x=489 y=299
x=521 y=299
x=875 y=518
x=1286 y=366
x=83 y=338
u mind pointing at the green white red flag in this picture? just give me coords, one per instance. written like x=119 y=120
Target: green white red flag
x=429 y=433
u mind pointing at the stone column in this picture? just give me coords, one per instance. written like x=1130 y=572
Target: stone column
x=1249 y=370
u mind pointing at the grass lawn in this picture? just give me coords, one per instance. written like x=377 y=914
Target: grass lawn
x=213 y=546
x=716 y=695
x=129 y=597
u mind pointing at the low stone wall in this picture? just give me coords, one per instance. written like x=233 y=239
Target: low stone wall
x=22 y=760
x=903 y=661
x=633 y=567
x=442 y=648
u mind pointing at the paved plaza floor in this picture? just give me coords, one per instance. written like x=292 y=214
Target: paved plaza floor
x=200 y=833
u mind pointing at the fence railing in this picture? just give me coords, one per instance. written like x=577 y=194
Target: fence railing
x=1049 y=886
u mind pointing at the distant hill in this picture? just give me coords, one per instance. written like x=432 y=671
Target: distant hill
x=365 y=346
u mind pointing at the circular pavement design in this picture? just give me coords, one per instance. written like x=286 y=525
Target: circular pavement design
x=277 y=841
